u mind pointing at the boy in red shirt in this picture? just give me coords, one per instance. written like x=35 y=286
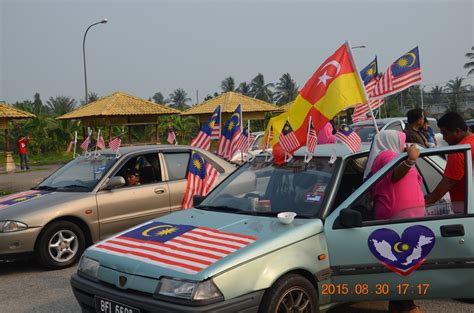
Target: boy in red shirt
x=454 y=130
x=22 y=142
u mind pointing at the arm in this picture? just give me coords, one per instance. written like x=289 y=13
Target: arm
x=402 y=169
x=443 y=187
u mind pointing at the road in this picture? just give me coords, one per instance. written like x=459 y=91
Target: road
x=26 y=287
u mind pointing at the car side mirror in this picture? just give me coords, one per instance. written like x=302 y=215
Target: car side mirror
x=197 y=200
x=349 y=218
x=114 y=182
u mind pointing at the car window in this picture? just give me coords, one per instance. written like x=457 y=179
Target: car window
x=177 y=164
x=378 y=203
x=395 y=126
x=141 y=170
x=257 y=142
x=366 y=132
x=352 y=178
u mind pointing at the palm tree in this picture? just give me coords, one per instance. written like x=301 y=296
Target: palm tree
x=458 y=94
x=244 y=89
x=470 y=65
x=185 y=127
x=60 y=105
x=260 y=90
x=92 y=96
x=286 y=89
x=228 y=84
x=160 y=99
x=178 y=99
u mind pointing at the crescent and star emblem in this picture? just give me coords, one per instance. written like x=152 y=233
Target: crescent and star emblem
x=405 y=247
x=168 y=229
x=325 y=77
x=413 y=58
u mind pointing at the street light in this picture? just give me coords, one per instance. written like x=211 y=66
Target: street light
x=359 y=47
x=84 y=52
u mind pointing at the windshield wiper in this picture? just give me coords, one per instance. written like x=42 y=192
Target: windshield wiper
x=49 y=188
x=221 y=208
x=74 y=186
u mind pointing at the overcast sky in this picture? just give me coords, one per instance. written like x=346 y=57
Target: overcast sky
x=151 y=46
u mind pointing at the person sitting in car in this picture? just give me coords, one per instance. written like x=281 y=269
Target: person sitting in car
x=132 y=177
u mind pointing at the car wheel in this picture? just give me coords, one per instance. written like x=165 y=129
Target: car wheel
x=291 y=293
x=60 y=245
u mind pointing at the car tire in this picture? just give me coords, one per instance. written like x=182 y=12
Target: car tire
x=60 y=245
x=290 y=293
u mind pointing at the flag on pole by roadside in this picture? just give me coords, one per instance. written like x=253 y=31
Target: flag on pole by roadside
x=349 y=137
x=334 y=87
x=171 y=136
x=115 y=143
x=202 y=177
x=100 y=140
x=85 y=144
x=204 y=136
x=226 y=146
x=401 y=74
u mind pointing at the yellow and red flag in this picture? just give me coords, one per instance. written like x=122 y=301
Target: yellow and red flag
x=334 y=87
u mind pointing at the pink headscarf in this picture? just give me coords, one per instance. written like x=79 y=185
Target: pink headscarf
x=325 y=135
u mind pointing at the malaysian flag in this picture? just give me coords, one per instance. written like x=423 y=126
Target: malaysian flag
x=21 y=197
x=245 y=141
x=288 y=139
x=312 y=139
x=230 y=133
x=171 y=136
x=115 y=143
x=216 y=126
x=100 y=141
x=182 y=248
x=85 y=143
x=403 y=73
x=370 y=76
x=201 y=179
x=203 y=138
x=349 y=137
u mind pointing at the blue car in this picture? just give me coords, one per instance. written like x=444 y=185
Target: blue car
x=298 y=237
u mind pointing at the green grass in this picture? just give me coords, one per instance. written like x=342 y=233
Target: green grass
x=5 y=192
x=41 y=159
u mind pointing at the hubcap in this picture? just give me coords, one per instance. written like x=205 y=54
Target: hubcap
x=63 y=246
x=294 y=300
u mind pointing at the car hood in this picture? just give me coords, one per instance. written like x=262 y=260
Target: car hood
x=20 y=205
x=269 y=234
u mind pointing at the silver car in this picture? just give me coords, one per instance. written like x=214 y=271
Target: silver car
x=93 y=197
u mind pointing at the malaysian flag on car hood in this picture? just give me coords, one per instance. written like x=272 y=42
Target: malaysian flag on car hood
x=165 y=246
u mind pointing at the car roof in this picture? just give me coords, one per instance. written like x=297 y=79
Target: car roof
x=147 y=148
x=385 y=120
x=327 y=150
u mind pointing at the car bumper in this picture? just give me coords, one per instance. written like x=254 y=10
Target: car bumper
x=85 y=291
x=18 y=242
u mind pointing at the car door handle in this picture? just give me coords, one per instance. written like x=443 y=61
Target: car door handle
x=159 y=190
x=452 y=230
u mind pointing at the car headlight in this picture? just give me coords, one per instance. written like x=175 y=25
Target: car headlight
x=88 y=267
x=11 y=226
x=189 y=290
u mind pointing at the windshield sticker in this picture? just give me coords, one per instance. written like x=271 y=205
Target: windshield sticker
x=16 y=198
x=316 y=193
x=402 y=254
x=183 y=248
x=99 y=170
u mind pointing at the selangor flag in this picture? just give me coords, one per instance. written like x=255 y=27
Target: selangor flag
x=226 y=147
x=201 y=178
x=334 y=87
x=401 y=74
x=203 y=138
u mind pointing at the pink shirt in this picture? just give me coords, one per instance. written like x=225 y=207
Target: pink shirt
x=402 y=199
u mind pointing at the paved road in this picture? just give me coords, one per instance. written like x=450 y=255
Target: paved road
x=26 y=287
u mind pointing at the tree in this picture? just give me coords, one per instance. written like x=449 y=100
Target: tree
x=228 y=84
x=61 y=105
x=92 y=96
x=185 y=127
x=178 y=99
x=260 y=90
x=26 y=105
x=160 y=99
x=37 y=105
x=208 y=97
x=285 y=90
x=470 y=65
x=244 y=89
x=457 y=94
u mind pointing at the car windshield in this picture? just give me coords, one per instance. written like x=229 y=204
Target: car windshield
x=81 y=174
x=366 y=132
x=263 y=188
x=258 y=142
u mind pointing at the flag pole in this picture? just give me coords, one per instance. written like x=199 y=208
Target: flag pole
x=421 y=93
x=307 y=157
x=75 y=143
x=351 y=57
x=96 y=141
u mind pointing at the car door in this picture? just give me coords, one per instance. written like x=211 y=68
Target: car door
x=127 y=206
x=433 y=255
x=176 y=163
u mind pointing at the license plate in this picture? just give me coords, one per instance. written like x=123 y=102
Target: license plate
x=108 y=306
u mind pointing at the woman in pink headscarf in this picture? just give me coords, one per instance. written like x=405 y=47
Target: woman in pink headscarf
x=325 y=135
x=398 y=194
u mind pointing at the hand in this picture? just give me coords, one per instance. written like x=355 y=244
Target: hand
x=413 y=152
